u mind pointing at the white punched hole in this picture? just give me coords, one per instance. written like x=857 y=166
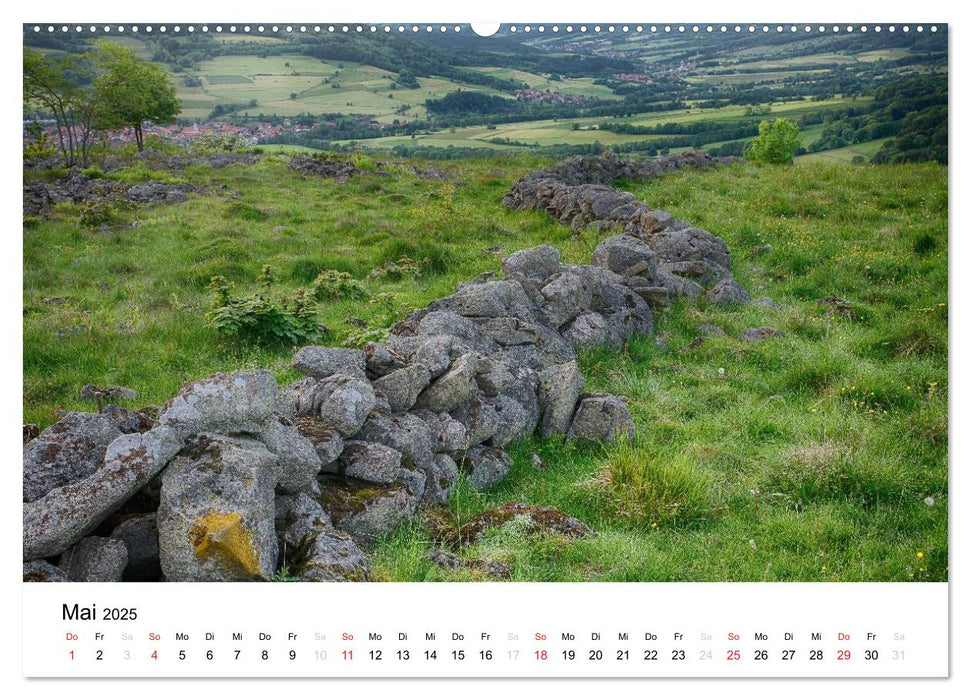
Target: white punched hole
x=485 y=29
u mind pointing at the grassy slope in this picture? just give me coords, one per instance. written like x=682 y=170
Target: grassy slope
x=808 y=459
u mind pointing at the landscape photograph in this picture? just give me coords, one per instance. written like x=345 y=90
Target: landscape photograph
x=405 y=303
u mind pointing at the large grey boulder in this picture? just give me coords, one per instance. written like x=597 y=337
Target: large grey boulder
x=100 y=559
x=514 y=421
x=728 y=292
x=537 y=263
x=310 y=548
x=479 y=418
x=603 y=418
x=450 y=435
x=70 y=450
x=370 y=461
x=367 y=512
x=407 y=433
x=68 y=513
x=342 y=401
x=440 y=480
x=560 y=387
x=567 y=294
x=326 y=440
x=380 y=359
x=223 y=403
x=296 y=456
x=621 y=253
x=140 y=535
x=485 y=467
x=402 y=387
x=489 y=300
x=587 y=330
x=321 y=362
x=215 y=519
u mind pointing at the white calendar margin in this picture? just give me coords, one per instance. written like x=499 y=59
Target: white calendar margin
x=509 y=11
x=274 y=619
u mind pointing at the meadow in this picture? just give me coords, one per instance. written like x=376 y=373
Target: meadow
x=288 y=85
x=818 y=456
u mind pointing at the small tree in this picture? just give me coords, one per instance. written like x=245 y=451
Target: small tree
x=51 y=83
x=776 y=143
x=130 y=92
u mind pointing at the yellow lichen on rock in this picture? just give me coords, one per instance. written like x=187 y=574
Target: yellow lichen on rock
x=224 y=537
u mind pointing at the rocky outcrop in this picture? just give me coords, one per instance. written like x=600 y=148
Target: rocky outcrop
x=653 y=250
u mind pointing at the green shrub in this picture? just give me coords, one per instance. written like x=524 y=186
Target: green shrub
x=94 y=172
x=334 y=284
x=776 y=143
x=98 y=212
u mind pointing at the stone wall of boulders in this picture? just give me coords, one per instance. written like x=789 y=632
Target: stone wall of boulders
x=237 y=478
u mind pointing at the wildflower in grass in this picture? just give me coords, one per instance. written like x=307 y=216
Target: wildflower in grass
x=920 y=555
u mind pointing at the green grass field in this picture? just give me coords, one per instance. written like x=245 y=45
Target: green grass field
x=550 y=132
x=818 y=456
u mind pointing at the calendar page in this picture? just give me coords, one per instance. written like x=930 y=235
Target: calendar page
x=547 y=349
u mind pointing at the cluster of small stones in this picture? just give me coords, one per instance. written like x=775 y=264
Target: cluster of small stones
x=238 y=478
x=342 y=169
x=77 y=188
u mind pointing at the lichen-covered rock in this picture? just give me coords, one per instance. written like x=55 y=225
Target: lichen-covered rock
x=485 y=466
x=757 y=335
x=567 y=294
x=70 y=450
x=95 y=559
x=367 y=512
x=678 y=286
x=215 y=519
x=450 y=435
x=450 y=324
x=533 y=520
x=41 y=571
x=370 y=461
x=621 y=253
x=560 y=387
x=68 y=513
x=766 y=303
x=479 y=418
x=537 y=263
x=379 y=359
x=489 y=300
x=514 y=422
x=587 y=330
x=728 y=292
x=241 y=402
x=140 y=535
x=711 y=331
x=452 y=389
x=326 y=440
x=342 y=401
x=311 y=549
x=402 y=387
x=296 y=456
x=321 y=362
x=675 y=245
x=407 y=433
x=440 y=480
x=602 y=417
